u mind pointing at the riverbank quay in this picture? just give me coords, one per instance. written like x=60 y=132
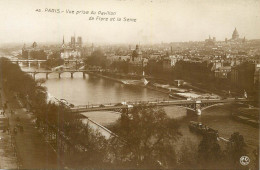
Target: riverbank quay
x=248 y=116
x=32 y=150
x=161 y=79
x=173 y=91
x=8 y=155
x=106 y=77
x=224 y=93
x=148 y=86
x=192 y=84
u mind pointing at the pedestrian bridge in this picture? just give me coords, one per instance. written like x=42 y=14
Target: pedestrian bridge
x=193 y=105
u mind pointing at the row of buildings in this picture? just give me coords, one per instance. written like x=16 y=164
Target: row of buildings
x=225 y=58
x=237 y=62
x=72 y=49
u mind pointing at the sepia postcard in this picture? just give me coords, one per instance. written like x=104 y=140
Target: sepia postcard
x=129 y=84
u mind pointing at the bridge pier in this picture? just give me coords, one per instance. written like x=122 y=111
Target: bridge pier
x=84 y=76
x=59 y=75
x=29 y=64
x=198 y=107
x=193 y=108
x=71 y=74
x=47 y=75
x=76 y=65
x=39 y=65
x=198 y=112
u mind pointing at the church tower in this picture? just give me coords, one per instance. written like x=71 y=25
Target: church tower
x=136 y=55
x=63 y=43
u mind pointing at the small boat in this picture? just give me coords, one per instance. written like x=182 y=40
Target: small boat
x=135 y=82
x=202 y=129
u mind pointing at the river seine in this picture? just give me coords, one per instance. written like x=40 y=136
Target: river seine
x=96 y=90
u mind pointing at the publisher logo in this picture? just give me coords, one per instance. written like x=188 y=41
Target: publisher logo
x=244 y=160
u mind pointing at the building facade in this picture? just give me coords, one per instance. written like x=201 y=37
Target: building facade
x=136 y=61
x=71 y=50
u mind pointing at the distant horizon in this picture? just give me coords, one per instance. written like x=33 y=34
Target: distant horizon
x=108 y=43
x=68 y=39
x=149 y=21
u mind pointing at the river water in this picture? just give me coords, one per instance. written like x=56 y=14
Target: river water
x=96 y=90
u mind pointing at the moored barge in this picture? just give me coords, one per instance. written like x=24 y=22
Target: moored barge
x=198 y=127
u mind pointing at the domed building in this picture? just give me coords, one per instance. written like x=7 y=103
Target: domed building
x=235 y=38
x=33 y=52
x=235 y=34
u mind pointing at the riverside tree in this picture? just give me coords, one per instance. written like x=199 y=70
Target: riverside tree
x=150 y=135
x=188 y=155
x=235 y=149
x=97 y=58
x=209 y=151
x=22 y=84
x=56 y=116
x=54 y=60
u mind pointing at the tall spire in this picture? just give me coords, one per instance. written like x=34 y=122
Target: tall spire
x=63 y=42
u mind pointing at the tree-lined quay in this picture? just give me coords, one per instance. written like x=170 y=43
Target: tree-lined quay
x=55 y=122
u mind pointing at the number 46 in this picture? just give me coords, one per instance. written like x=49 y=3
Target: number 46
x=38 y=10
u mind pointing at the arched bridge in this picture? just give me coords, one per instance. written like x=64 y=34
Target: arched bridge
x=28 y=61
x=194 y=105
x=63 y=71
x=38 y=62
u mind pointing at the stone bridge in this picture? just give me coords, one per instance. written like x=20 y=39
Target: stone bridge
x=60 y=72
x=38 y=62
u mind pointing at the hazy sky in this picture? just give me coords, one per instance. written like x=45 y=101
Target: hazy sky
x=157 y=20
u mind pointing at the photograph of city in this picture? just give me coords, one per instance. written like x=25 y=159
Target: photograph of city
x=129 y=84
